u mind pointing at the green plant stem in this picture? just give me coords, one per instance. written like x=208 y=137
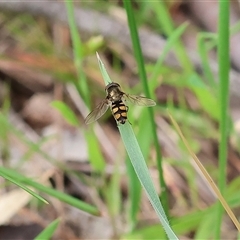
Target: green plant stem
x=81 y=84
x=164 y=18
x=143 y=77
x=203 y=51
x=224 y=65
x=97 y=162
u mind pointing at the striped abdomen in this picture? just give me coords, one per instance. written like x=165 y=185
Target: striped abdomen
x=119 y=110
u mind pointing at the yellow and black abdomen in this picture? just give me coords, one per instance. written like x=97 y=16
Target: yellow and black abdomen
x=119 y=110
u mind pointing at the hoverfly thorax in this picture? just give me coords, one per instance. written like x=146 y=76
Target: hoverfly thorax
x=114 y=92
x=116 y=100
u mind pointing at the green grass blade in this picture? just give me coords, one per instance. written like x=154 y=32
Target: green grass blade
x=135 y=191
x=205 y=229
x=203 y=51
x=139 y=164
x=50 y=191
x=82 y=85
x=169 y=44
x=97 y=160
x=224 y=67
x=181 y=225
x=142 y=73
x=66 y=112
x=48 y=232
x=4 y=174
x=165 y=20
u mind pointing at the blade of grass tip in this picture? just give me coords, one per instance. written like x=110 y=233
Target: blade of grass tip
x=52 y=192
x=10 y=179
x=103 y=70
x=169 y=44
x=142 y=73
x=165 y=20
x=224 y=67
x=48 y=232
x=64 y=198
x=139 y=164
x=206 y=175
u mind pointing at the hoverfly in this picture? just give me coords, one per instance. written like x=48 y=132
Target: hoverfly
x=116 y=100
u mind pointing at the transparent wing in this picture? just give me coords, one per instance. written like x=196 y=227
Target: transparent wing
x=139 y=100
x=101 y=108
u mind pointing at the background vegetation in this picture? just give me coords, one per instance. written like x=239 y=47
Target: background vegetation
x=50 y=80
